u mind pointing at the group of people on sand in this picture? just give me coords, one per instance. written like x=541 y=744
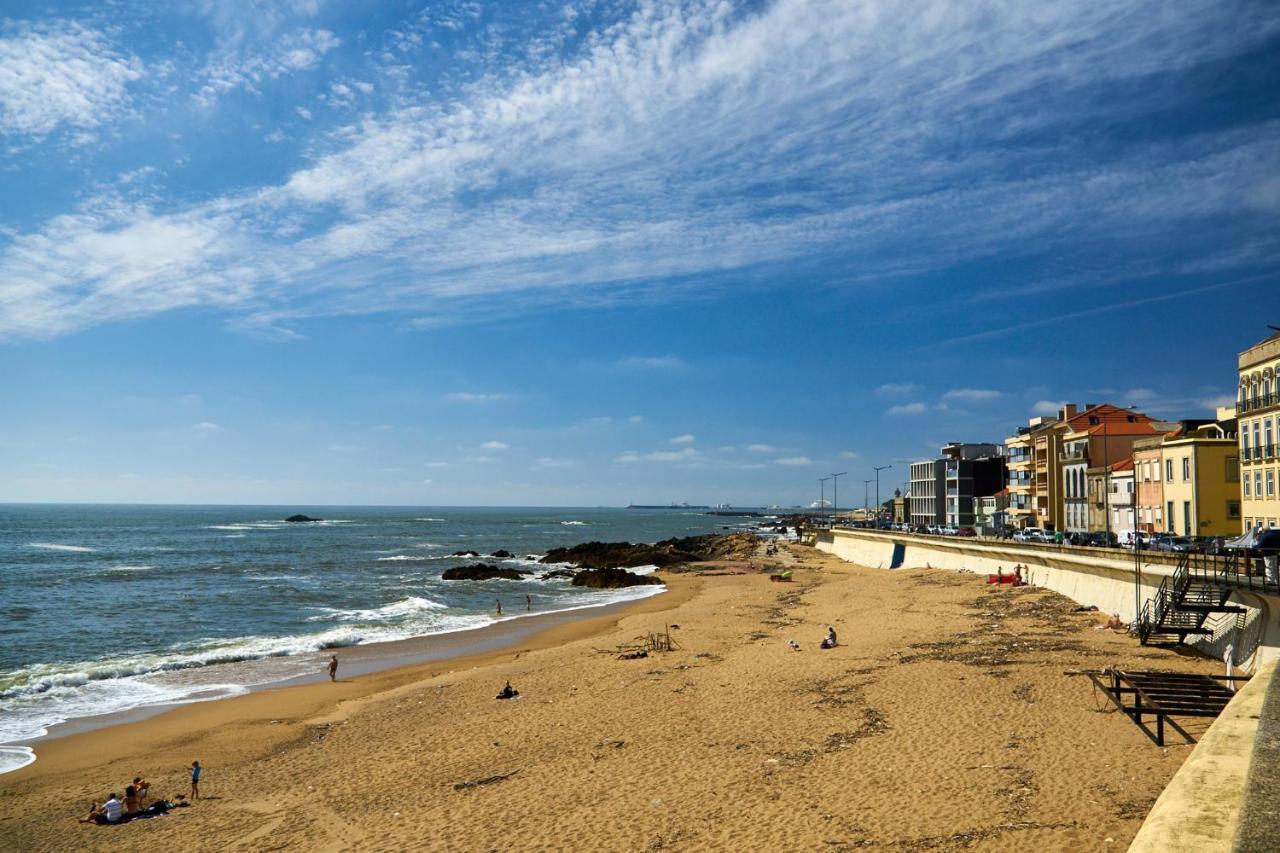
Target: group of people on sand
x=115 y=810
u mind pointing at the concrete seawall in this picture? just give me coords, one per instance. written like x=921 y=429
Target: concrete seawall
x=1104 y=578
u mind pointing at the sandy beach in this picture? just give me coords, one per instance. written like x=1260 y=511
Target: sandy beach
x=945 y=720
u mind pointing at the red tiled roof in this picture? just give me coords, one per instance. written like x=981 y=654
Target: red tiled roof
x=1112 y=420
x=1123 y=465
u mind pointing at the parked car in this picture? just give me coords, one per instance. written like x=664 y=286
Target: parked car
x=1172 y=543
x=966 y=531
x=1100 y=540
x=1032 y=534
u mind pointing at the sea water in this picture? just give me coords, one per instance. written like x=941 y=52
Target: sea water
x=106 y=609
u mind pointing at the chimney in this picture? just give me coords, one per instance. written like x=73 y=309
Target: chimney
x=1067 y=411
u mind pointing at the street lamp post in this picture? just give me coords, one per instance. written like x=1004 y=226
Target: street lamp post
x=866 y=498
x=878 y=470
x=822 y=493
x=835 y=494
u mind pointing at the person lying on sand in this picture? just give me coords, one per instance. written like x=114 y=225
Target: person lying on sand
x=508 y=692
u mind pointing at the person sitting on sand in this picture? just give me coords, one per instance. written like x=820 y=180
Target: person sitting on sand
x=142 y=787
x=795 y=647
x=508 y=692
x=131 y=799
x=829 y=642
x=110 y=813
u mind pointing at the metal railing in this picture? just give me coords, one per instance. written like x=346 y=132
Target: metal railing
x=1253 y=404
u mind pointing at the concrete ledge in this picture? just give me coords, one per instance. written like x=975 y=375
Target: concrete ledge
x=1201 y=807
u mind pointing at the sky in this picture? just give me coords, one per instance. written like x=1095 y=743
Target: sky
x=600 y=252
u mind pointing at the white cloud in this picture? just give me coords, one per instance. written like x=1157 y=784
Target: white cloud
x=636 y=419
x=1047 y=407
x=63 y=74
x=478 y=460
x=683 y=455
x=849 y=454
x=1212 y=403
x=304 y=112
x=658 y=362
x=687 y=438
x=793 y=460
x=761 y=448
x=898 y=389
x=473 y=397
x=1136 y=395
x=439 y=465
x=907 y=409
x=495 y=445
x=554 y=462
x=971 y=395
x=206 y=426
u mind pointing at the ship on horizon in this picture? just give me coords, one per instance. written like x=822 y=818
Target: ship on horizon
x=668 y=506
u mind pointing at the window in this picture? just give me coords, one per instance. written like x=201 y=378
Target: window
x=1233 y=469
x=1248 y=490
x=1257 y=436
x=1271 y=451
x=1271 y=482
x=1186 y=469
x=1169 y=506
x=1233 y=509
x=1168 y=470
x=1257 y=484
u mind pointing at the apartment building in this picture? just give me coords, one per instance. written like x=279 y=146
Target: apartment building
x=943 y=490
x=1201 y=486
x=1258 y=413
x=1148 y=468
x=1120 y=498
x=1094 y=438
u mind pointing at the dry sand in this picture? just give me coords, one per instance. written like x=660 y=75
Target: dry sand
x=944 y=721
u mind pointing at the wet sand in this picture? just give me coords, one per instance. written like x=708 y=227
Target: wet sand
x=944 y=720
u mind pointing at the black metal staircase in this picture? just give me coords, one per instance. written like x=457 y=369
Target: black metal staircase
x=1185 y=601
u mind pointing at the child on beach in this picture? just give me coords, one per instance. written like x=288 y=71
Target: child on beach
x=195 y=780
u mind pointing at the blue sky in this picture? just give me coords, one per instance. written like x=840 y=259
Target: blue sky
x=599 y=252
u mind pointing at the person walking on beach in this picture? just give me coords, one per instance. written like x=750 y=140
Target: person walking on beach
x=528 y=603
x=333 y=667
x=195 y=780
x=499 y=603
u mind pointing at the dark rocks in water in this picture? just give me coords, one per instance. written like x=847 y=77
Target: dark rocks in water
x=502 y=554
x=669 y=552
x=481 y=572
x=611 y=579
x=296 y=518
x=465 y=554
x=559 y=573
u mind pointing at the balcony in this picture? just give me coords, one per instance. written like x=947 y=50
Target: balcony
x=1078 y=455
x=1246 y=454
x=1253 y=404
x=1268 y=451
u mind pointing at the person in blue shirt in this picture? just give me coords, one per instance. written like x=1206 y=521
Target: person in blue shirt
x=195 y=780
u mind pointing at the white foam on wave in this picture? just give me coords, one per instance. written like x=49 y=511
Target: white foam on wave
x=410 y=558
x=575 y=523
x=403 y=607
x=228 y=527
x=131 y=568
x=53 y=546
x=13 y=757
x=429 y=519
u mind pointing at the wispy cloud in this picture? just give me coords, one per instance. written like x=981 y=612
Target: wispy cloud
x=206 y=427
x=473 y=397
x=652 y=362
x=761 y=448
x=685 y=455
x=1047 y=407
x=916 y=408
x=793 y=460
x=751 y=113
x=898 y=388
x=62 y=74
x=495 y=445
x=971 y=395
x=686 y=438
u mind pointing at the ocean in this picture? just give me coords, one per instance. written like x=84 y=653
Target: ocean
x=106 y=609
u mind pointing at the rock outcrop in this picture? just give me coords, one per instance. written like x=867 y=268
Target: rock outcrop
x=297 y=518
x=465 y=554
x=611 y=579
x=502 y=554
x=481 y=572
x=669 y=552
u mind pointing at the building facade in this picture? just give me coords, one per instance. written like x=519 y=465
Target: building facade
x=928 y=483
x=1148 y=471
x=1201 y=485
x=1258 y=413
x=1120 y=497
x=943 y=490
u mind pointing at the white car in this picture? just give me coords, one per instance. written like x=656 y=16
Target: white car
x=1032 y=534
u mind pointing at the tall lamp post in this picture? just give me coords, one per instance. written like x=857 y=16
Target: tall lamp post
x=835 y=494
x=822 y=493
x=866 y=498
x=878 y=470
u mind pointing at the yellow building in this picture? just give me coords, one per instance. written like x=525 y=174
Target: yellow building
x=1258 y=411
x=1201 y=488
